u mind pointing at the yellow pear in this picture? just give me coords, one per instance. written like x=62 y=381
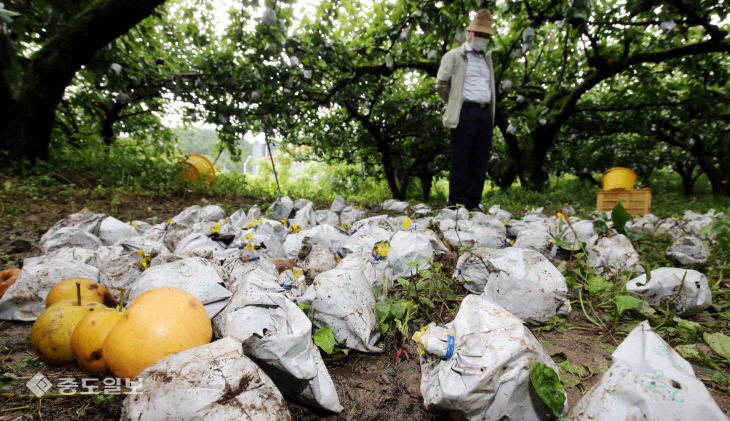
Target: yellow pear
x=51 y=333
x=159 y=323
x=88 y=338
x=90 y=291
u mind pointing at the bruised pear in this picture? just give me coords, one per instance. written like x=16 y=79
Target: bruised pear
x=88 y=338
x=159 y=323
x=90 y=291
x=51 y=333
x=7 y=278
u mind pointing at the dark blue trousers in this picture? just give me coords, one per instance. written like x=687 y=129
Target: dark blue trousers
x=471 y=145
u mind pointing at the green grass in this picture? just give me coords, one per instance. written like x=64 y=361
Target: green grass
x=135 y=167
x=667 y=197
x=668 y=200
x=565 y=191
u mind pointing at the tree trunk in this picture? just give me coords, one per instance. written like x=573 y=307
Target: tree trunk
x=505 y=178
x=398 y=188
x=542 y=137
x=30 y=105
x=426 y=184
x=402 y=179
x=688 y=184
x=686 y=171
x=718 y=176
x=537 y=177
x=720 y=183
x=390 y=177
x=111 y=116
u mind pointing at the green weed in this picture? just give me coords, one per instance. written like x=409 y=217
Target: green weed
x=97 y=400
x=325 y=339
x=29 y=363
x=429 y=295
x=720 y=243
x=102 y=399
x=546 y=383
x=652 y=250
x=8 y=261
x=7 y=380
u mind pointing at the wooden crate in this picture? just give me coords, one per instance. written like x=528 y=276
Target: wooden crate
x=636 y=202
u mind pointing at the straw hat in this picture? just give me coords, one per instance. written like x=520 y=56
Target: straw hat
x=482 y=22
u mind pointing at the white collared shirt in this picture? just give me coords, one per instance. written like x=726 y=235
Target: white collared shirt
x=477 y=78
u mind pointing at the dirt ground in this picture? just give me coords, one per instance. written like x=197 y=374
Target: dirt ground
x=370 y=387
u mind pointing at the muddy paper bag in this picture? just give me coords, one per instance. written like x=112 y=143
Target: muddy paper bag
x=352 y=214
x=327 y=217
x=647 y=381
x=120 y=265
x=373 y=264
x=278 y=336
x=112 y=230
x=26 y=299
x=69 y=232
x=315 y=259
x=293 y=281
x=366 y=237
x=470 y=235
x=535 y=237
x=689 y=251
x=342 y=300
x=255 y=275
x=281 y=208
x=472 y=270
x=526 y=284
x=522 y=281
x=477 y=367
x=395 y=206
x=664 y=286
x=211 y=382
x=199 y=277
x=413 y=247
x=338 y=205
x=69 y=237
x=199 y=244
x=613 y=254
x=305 y=217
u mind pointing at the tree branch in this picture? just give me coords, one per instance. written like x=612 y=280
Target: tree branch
x=689 y=9
x=612 y=23
x=125 y=116
x=79 y=39
x=640 y=106
x=608 y=70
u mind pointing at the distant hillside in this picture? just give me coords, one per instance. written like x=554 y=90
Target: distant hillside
x=204 y=142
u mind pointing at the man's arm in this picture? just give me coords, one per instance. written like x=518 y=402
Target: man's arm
x=442 y=89
x=443 y=77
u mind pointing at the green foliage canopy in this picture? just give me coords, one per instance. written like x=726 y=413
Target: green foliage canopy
x=581 y=85
x=356 y=82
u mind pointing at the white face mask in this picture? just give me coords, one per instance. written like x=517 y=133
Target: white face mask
x=478 y=44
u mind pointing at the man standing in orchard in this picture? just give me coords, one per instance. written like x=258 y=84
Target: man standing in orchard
x=465 y=82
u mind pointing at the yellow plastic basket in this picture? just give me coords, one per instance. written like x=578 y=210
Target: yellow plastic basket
x=636 y=202
x=618 y=178
x=199 y=169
